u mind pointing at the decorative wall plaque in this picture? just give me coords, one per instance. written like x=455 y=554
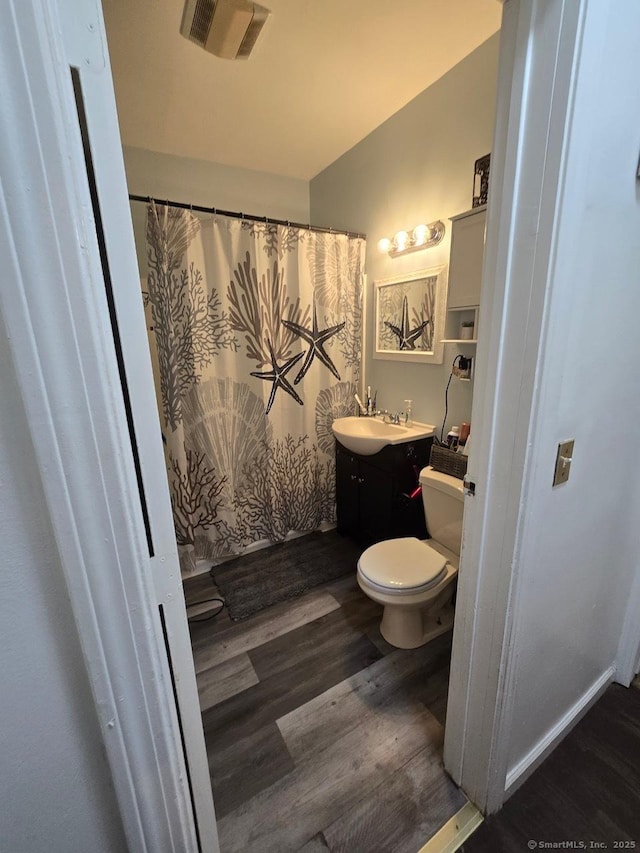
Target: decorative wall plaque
x=481 y=181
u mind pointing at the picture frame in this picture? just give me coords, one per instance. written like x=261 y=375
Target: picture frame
x=409 y=316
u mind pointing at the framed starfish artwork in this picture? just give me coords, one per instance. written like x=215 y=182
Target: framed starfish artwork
x=409 y=316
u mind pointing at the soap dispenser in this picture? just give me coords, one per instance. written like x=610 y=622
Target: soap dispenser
x=408 y=412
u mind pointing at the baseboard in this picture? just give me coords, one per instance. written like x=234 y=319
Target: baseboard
x=201 y=568
x=534 y=758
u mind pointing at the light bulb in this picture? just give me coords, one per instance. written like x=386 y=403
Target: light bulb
x=400 y=241
x=384 y=245
x=421 y=234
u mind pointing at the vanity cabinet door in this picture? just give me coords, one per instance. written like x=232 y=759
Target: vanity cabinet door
x=376 y=503
x=372 y=492
x=465 y=266
x=347 y=492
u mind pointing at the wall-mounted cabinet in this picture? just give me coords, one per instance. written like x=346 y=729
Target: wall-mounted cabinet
x=465 y=275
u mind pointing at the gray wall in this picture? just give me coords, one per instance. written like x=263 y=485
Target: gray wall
x=416 y=167
x=55 y=788
x=209 y=184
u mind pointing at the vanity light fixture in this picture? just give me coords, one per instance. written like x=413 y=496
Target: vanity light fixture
x=422 y=237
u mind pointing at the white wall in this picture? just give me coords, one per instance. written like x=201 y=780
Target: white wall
x=55 y=787
x=416 y=167
x=209 y=184
x=579 y=546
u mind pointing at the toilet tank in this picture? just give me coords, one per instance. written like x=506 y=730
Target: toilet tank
x=443 y=501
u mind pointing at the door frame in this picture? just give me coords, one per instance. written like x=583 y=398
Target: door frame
x=541 y=58
x=65 y=230
x=539 y=54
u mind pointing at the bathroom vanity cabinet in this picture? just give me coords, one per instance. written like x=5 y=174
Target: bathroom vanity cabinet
x=372 y=492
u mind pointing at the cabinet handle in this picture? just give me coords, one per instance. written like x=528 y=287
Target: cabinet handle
x=361 y=480
x=353 y=477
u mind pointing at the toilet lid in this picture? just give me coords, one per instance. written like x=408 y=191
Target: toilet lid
x=402 y=565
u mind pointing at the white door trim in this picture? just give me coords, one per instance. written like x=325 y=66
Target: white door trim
x=540 y=42
x=55 y=310
x=85 y=43
x=628 y=658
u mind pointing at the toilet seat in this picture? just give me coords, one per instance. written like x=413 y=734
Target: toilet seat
x=402 y=566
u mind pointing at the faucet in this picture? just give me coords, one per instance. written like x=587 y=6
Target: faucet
x=397 y=418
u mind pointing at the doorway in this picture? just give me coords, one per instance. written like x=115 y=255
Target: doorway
x=162 y=584
x=254 y=660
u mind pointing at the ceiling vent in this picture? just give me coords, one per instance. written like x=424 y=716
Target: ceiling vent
x=226 y=28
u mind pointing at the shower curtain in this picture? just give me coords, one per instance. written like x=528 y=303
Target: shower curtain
x=258 y=331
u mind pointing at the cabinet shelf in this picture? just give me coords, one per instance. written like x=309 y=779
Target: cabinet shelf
x=457 y=316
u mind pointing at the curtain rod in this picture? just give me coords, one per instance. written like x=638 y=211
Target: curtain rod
x=266 y=219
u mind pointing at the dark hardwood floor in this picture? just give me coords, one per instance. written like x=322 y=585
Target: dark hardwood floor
x=586 y=792
x=320 y=735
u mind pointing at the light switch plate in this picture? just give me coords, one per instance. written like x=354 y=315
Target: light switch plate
x=563 y=462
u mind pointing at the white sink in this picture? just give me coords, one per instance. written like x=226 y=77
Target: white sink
x=367 y=436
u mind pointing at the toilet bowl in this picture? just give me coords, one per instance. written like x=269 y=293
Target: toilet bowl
x=414 y=580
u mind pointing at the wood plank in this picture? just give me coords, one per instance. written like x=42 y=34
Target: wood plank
x=242 y=768
x=346 y=588
x=434 y=691
x=225 y=680
x=588 y=788
x=311 y=797
x=373 y=632
x=617 y=745
x=402 y=813
x=292 y=670
x=316 y=845
x=239 y=637
x=392 y=685
x=284 y=652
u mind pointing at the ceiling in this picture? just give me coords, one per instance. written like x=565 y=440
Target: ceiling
x=323 y=74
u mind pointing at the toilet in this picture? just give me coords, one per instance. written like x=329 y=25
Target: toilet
x=414 y=579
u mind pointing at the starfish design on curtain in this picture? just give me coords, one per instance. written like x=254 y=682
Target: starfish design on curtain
x=406 y=337
x=316 y=340
x=278 y=375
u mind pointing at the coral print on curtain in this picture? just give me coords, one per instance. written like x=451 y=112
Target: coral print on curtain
x=258 y=331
